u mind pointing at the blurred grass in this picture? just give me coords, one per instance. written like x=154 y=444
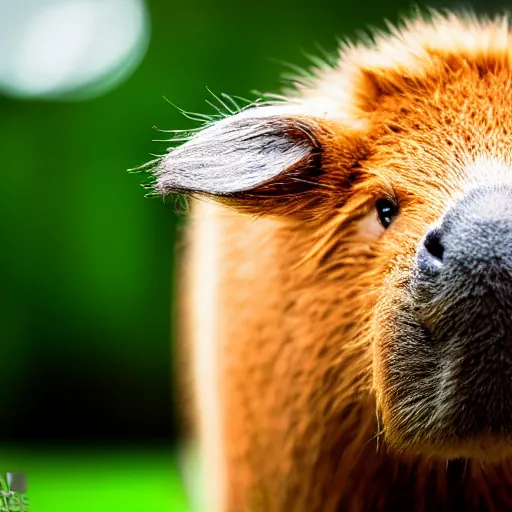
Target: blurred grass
x=98 y=479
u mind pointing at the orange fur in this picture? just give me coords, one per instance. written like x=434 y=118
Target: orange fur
x=290 y=299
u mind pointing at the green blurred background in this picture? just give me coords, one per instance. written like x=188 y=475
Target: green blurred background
x=86 y=260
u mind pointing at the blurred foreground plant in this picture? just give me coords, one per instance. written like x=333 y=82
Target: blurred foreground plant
x=11 y=493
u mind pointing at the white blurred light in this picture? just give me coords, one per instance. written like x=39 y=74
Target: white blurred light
x=69 y=48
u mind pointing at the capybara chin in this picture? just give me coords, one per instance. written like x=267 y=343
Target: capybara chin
x=348 y=280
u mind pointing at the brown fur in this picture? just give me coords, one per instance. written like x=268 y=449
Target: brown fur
x=304 y=294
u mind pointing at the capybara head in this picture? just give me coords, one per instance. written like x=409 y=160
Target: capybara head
x=391 y=170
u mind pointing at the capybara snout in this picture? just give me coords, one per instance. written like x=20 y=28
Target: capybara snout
x=457 y=316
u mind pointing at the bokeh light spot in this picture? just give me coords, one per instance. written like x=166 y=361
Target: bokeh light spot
x=70 y=49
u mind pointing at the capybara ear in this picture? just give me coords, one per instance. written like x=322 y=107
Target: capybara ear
x=267 y=159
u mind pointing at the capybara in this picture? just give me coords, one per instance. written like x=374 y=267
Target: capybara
x=347 y=282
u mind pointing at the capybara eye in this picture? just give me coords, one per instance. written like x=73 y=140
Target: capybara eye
x=386 y=210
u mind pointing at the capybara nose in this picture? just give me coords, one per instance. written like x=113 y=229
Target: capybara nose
x=431 y=251
x=473 y=243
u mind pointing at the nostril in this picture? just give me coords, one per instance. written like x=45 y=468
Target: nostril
x=434 y=245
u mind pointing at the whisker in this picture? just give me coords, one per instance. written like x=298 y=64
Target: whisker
x=220 y=101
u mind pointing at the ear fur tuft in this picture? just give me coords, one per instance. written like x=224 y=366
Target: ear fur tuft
x=238 y=153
